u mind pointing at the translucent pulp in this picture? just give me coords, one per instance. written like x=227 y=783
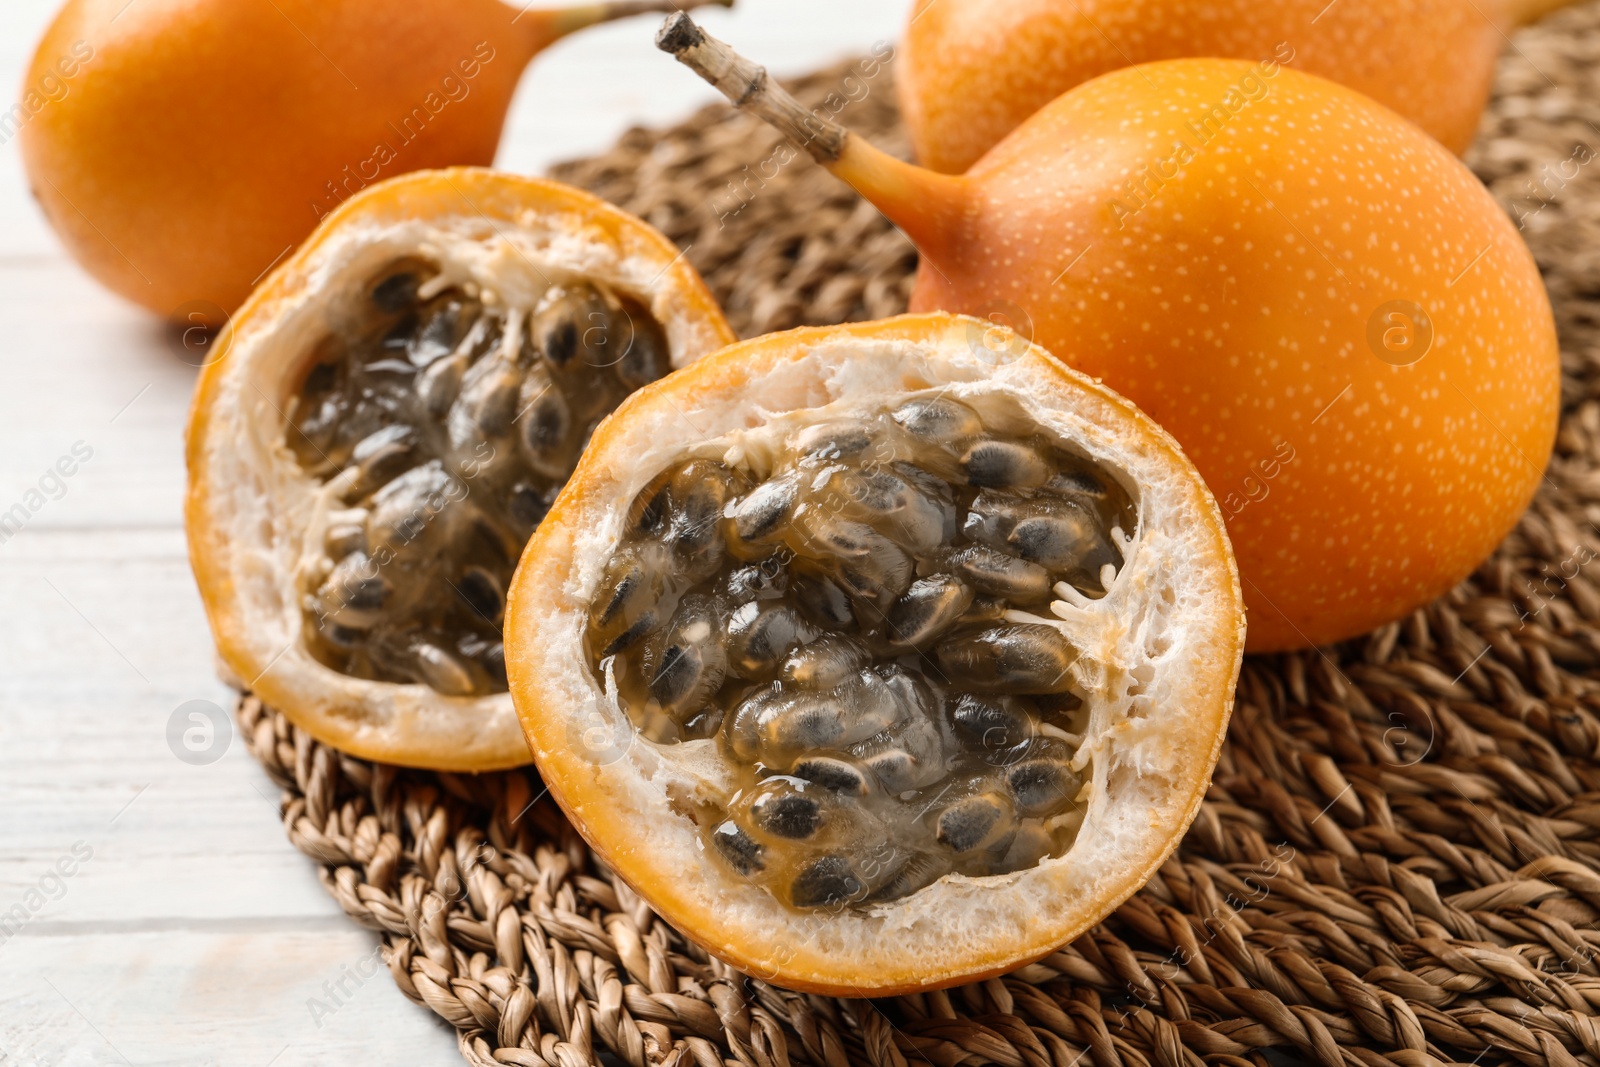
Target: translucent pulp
x=843 y=623
x=442 y=427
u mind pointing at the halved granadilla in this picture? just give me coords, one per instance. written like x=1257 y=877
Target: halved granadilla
x=878 y=657
x=387 y=421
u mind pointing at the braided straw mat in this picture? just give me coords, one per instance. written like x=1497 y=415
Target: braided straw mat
x=1399 y=859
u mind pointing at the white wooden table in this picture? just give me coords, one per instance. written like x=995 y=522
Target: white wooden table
x=189 y=930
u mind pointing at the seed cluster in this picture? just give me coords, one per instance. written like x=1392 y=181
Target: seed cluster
x=445 y=427
x=838 y=624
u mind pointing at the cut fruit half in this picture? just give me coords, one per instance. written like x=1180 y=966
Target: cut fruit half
x=879 y=657
x=385 y=423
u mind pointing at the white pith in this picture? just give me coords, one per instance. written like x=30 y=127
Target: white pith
x=1175 y=602
x=260 y=519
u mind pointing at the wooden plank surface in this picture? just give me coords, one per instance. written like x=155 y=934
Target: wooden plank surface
x=188 y=930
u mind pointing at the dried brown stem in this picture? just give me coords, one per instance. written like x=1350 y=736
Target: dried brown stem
x=749 y=88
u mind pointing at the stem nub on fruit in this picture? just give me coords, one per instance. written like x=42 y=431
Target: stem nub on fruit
x=1320 y=302
x=922 y=203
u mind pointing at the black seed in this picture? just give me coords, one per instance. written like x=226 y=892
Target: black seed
x=645 y=357
x=993 y=724
x=889 y=504
x=862 y=561
x=691 y=664
x=895 y=769
x=439 y=384
x=343 y=636
x=926 y=611
x=486 y=406
x=624 y=591
x=576 y=323
x=395 y=292
x=354 y=593
x=826 y=881
x=546 y=424
x=560 y=342
x=1078 y=484
x=1004 y=465
x=367 y=593
x=650 y=508
x=791 y=815
x=441 y=671
x=803 y=723
x=824 y=603
x=1001 y=575
x=626 y=600
x=825 y=663
x=758 y=516
x=698 y=493
x=527 y=507
x=874 y=491
x=834 y=775
x=831 y=440
x=972 y=823
x=741 y=851
x=482 y=592
x=1063 y=536
x=1042 y=786
x=761 y=635
x=1055 y=542
x=439 y=334
x=416 y=510
x=1010 y=659
x=779 y=725
x=755 y=581
x=677 y=674
x=632 y=635
x=939 y=419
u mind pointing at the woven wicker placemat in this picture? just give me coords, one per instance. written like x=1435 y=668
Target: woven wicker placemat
x=1399 y=859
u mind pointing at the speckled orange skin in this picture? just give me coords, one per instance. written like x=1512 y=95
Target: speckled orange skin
x=1234 y=306
x=203 y=139
x=973 y=70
